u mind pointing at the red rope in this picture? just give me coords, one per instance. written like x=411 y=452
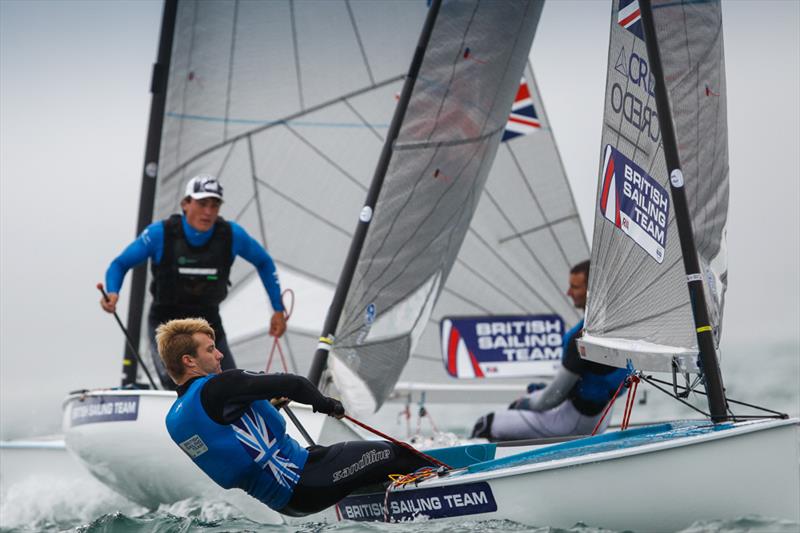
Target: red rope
x=398 y=442
x=608 y=406
x=276 y=343
x=626 y=416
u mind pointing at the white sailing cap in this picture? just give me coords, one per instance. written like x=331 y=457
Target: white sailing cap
x=204 y=186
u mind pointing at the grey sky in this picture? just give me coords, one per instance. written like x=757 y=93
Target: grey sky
x=74 y=81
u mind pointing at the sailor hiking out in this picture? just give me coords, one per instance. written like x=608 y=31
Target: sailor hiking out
x=228 y=424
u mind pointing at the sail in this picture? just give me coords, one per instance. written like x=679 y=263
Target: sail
x=456 y=117
x=638 y=307
x=522 y=241
x=288 y=103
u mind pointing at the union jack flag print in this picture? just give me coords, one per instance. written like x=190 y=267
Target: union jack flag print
x=630 y=17
x=252 y=432
x=523 y=118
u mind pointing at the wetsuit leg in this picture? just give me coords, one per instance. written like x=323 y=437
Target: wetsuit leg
x=333 y=472
x=153 y=321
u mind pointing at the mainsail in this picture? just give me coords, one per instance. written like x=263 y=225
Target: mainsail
x=456 y=116
x=288 y=103
x=639 y=308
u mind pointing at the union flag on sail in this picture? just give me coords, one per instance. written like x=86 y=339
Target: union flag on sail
x=523 y=118
x=630 y=17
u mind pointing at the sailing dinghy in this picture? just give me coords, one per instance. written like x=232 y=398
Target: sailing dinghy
x=655 y=301
x=289 y=104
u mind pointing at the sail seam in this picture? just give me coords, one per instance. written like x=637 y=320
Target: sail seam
x=302 y=207
x=327 y=159
x=230 y=67
x=358 y=38
x=272 y=124
x=421 y=145
x=539 y=206
x=296 y=55
x=364 y=121
x=524 y=232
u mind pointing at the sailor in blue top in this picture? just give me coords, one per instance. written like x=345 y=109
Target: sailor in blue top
x=226 y=422
x=572 y=404
x=191 y=257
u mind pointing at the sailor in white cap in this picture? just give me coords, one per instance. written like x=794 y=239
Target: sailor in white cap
x=190 y=257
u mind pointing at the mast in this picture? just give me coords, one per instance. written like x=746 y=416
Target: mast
x=158 y=88
x=705 y=339
x=343 y=286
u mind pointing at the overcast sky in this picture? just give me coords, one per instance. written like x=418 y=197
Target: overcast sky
x=74 y=100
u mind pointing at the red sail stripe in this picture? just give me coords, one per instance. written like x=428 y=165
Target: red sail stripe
x=624 y=22
x=452 y=349
x=527 y=122
x=607 y=184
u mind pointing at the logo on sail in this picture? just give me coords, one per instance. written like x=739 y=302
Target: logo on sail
x=523 y=118
x=630 y=17
x=502 y=346
x=636 y=203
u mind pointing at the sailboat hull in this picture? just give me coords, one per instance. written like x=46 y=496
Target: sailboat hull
x=121 y=438
x=656 y=478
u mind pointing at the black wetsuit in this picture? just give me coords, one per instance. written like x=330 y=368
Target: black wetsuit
x=331 y=472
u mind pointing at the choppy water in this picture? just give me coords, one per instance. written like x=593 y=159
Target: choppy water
x=60 y=503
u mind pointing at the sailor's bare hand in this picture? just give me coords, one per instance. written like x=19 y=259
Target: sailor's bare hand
x=280 y=403
x=110 y=305
x=277 y=325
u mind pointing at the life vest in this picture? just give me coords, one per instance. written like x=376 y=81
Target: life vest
x=598 y=382
x=190 y=276
x=253 y=453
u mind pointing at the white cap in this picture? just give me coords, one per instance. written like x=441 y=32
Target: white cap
x=204 y=186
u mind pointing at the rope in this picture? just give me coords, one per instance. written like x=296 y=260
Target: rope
x=399 y=480
x=276 y=343
x=608 y=406
x=778 y=414
x=629 y=401
x=402 y=444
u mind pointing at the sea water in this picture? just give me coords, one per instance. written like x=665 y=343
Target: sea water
x=60 y=501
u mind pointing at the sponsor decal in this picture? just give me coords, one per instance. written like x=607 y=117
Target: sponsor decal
x=629 y=16
x=194 y=446
x=502 y=346
x=635 y=203
x=633 y=98
x=523 y=118
x=96 y=409
x=369 y=458
x=438 y=502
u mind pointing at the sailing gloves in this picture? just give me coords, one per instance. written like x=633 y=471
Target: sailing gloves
x=332 y=407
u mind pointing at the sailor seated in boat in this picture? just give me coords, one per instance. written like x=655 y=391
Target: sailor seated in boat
x=573 y=403
x=191 y=257
x=225 y=422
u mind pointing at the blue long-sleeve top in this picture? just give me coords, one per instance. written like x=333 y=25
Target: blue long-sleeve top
x=150 y=244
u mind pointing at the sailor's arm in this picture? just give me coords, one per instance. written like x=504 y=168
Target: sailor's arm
x=149 y=244
x=228 y=394
x=555 y=393
x=251 y=251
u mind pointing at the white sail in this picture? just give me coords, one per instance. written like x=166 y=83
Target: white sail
x=638 y=306
x=456 y=117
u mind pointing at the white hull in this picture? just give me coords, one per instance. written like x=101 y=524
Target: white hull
x=658 y=485
x=136 y=457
